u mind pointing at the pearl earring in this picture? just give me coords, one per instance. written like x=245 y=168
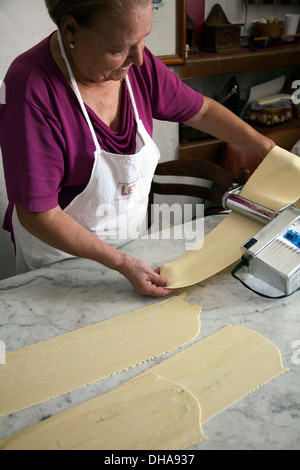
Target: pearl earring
x=72 y=45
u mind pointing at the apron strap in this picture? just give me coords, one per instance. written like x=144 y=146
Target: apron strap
x=136 y=113
x=77 y=92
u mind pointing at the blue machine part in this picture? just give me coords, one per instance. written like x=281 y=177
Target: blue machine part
x=293 y=237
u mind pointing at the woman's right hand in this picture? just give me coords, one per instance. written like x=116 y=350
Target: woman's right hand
x=143 y=278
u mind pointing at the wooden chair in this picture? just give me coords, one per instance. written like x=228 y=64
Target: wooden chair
x=220 y=180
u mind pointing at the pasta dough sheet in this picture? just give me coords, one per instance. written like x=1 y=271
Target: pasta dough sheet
x=163 y=408
x=274 y=184
x=51 y=368
x=223 y=368
x=146 y=413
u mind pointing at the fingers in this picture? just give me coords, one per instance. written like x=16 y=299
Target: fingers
x=155 y=291
x=157 y=285
x=158 y=279
x=144 y=279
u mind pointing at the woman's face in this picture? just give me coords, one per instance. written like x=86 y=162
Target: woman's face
x=108 y=49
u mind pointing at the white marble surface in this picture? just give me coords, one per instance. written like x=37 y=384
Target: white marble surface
x=76 y=293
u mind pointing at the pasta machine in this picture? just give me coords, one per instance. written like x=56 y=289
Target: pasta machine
x=273 y=254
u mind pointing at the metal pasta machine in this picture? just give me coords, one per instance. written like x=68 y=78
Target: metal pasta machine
x=273 y=254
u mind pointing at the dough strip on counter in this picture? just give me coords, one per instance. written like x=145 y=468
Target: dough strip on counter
x=145 y=413
x=68 y=362
x=223 y=368
x=163 y=408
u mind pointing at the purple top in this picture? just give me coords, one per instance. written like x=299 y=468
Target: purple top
x=47 y=147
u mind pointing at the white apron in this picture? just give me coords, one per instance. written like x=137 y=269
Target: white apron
x=114 y=204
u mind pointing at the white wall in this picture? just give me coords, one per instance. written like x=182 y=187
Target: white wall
x=23 y=23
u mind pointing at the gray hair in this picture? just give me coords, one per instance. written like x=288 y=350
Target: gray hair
x=84 y=11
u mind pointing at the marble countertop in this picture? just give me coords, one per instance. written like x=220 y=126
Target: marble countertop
x=75 y=293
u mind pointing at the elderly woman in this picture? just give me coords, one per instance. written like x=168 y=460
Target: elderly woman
x=76 y=136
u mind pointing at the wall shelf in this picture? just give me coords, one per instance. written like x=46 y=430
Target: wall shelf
x=205 y=64
x=209 y=149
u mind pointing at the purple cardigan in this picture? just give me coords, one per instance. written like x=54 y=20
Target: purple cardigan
x=47 y=148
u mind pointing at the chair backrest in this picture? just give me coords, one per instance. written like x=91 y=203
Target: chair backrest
x=220 y=180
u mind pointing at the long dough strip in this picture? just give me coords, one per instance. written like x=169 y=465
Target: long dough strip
x=158 y=409
x=145 y=413
x=223 y=368
x=68 y=362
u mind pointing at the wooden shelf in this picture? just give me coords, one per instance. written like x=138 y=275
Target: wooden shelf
x=206 y=64
x=208 y=149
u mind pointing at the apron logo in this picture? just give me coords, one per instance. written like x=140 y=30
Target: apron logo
x=126 y=190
